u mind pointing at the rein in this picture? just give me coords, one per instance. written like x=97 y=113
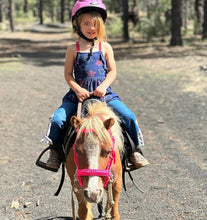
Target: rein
x=96 y=172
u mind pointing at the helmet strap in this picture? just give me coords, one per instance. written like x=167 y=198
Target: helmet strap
x=90 y=40
x=79 y=32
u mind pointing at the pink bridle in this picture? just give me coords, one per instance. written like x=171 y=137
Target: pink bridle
x=96 y=172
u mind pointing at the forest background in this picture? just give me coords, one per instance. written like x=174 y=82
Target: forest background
x=149 y=19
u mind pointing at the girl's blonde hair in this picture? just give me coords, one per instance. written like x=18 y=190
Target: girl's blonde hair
x=99 y=25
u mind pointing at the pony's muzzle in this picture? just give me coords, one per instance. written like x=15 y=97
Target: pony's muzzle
x=94 y=196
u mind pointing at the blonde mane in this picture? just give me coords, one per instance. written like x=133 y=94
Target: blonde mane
x=97 y=113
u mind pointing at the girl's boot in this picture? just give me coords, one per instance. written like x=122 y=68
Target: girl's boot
x=138 y=160
x=54 y=160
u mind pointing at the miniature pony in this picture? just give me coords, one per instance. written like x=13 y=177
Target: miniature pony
x=94 y=162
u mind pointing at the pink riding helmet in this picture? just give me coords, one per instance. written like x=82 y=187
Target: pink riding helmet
x=89 y=5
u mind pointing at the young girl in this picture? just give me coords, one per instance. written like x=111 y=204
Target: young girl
x=90 y=69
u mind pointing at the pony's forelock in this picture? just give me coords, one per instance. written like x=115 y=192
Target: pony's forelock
x=93 y=127
x=93 y=124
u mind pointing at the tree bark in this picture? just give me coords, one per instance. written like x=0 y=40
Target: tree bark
x=125 y=20
x=69 y=12
x=176 y=23
x=205 y=21
x=52 y=12
x=199 y=10
x=40 y=9
x=11 y=15
x=25 y=6
x=1 y=12
x=134 y=13
x=62 y=11
x=185 y=14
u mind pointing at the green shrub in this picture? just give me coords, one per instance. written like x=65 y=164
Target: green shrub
x=150 y=28
x=114 y=27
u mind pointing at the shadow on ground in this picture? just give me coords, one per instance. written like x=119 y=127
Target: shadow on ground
x=59 y=218
x=51 y=50
x=55 y=218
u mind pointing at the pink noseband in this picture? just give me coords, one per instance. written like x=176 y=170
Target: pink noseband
x=96 y=172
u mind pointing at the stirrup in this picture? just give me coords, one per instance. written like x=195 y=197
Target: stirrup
x=42 y=164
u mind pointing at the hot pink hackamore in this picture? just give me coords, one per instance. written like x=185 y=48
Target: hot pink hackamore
x=96 y=172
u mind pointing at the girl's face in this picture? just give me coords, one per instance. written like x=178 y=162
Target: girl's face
x=88 y=26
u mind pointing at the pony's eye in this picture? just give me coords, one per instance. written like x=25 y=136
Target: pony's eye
x=105 y=153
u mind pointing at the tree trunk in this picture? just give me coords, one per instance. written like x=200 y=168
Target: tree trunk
x=134 y=13
x=62 y=11
x=199 y=10
x=115 y=6
x=1 y=12
x=148 y=11
x=185 y=14
x=69 y=12
x=25 y=6
x=11 y=15
x=125 y=20
x=40 y=11
x=205 y=21
x=176 y=23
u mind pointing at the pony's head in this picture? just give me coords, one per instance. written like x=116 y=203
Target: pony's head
x=94 y=149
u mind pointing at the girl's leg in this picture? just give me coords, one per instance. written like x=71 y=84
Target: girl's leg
x=60 y=117
x=130 y=122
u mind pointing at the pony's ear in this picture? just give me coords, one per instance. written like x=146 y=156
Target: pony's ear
x=108 y=123
x=75 y=121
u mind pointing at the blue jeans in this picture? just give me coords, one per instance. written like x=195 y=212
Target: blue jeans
x=129 y=120
x=60 y=116
x=68 y=109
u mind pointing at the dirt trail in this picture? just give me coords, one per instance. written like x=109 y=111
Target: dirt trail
x=163 y=86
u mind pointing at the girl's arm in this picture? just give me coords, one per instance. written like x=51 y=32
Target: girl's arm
x=111 y=76
x=68 y=72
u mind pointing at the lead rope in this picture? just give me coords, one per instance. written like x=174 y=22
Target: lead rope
x=73 y=191
x=73 y=204
x=111 y=202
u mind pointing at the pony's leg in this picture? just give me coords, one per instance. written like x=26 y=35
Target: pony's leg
x=116 y=195
x=84 y=211
x=116 y=191
x=84 y=208
x=117 y=187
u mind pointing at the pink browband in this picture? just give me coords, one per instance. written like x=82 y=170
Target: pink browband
x=96 y=172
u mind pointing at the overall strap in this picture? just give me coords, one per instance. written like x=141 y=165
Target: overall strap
x=77 y=46
x=99 y=46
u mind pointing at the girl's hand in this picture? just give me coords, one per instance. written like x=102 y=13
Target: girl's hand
x=83 y=94
x=100 y=91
